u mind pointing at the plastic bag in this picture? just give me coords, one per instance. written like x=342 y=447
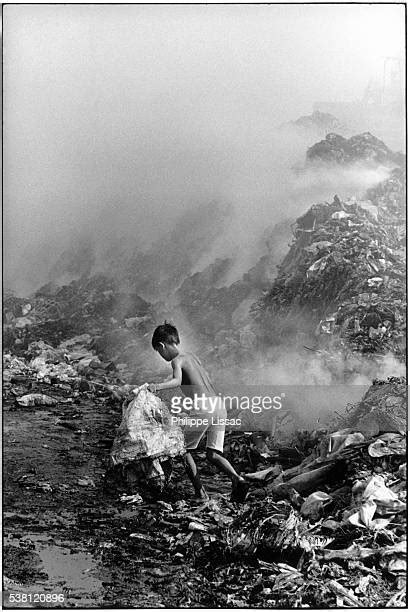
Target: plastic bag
x=377 y=498
x=314 y=505
x=36 y=399
x=146 y=431
x=388 y=444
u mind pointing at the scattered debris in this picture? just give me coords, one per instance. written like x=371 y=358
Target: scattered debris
x=132 y=499
x=86 y=482
x=36 y=399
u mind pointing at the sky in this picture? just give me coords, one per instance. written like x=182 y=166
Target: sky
x=118 y=118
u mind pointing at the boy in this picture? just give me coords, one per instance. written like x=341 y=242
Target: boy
x=189 y=373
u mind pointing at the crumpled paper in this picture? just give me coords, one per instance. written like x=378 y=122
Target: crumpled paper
x=376 y=497
x=388 y=444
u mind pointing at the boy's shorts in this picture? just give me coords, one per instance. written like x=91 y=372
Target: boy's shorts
x=215 y=433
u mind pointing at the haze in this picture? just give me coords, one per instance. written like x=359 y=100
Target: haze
x=119 y=118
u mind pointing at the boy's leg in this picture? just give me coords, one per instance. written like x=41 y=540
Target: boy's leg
x=215 y=443
x=214 y=454
x=192 y=472
x=239 y=485
x=222 y=464
x=193 y=436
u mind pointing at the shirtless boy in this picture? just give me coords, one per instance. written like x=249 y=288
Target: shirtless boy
x=189 y=373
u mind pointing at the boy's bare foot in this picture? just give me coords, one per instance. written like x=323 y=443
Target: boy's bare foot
x=240 y=490
x=202 y=495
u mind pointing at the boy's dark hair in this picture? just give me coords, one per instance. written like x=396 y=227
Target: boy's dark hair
x=167 y=333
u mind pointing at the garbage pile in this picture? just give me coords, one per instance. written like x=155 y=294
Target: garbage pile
x=344 y=278
x=383 y=408
x=360 y=148
x=343 y=545
x=332 y=535
x=329 y=531
x=120 y=321
x=341 y=286
x=91 y=324
x=88 y=305
x=43 y=375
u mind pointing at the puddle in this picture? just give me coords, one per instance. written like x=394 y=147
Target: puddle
x=76 y=572
x=73 y=574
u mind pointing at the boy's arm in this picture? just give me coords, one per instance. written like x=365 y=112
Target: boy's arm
x=175 y=380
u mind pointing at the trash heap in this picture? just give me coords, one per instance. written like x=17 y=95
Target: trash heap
x=43 y=375
x=92 y=324
x=88 y=305
x=360 y=148
x=343 y=544
x=329 y=532
x=344 y=278
x=383 y=408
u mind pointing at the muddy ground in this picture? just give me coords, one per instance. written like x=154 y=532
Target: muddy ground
x=66 y=534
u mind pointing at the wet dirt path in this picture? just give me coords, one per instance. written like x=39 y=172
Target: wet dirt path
x=66 y=531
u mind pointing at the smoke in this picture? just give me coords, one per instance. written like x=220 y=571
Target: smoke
x=293 y=367
x=120 y=120
x=255 y=203
x=227 y=219
x=314 y=388
x=389 y=366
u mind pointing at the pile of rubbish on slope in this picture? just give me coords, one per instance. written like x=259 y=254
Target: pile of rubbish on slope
x=43 y=375
x=339 y=536
x=383 y=408
x=88 y=305
x=113 y=326
x=360 y=148
x=347 y=266
x=347 y=262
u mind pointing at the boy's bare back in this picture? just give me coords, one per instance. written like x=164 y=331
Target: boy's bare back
x=195 y=379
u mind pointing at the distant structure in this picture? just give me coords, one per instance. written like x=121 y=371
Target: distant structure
x=389 y=91
x=381 y=110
